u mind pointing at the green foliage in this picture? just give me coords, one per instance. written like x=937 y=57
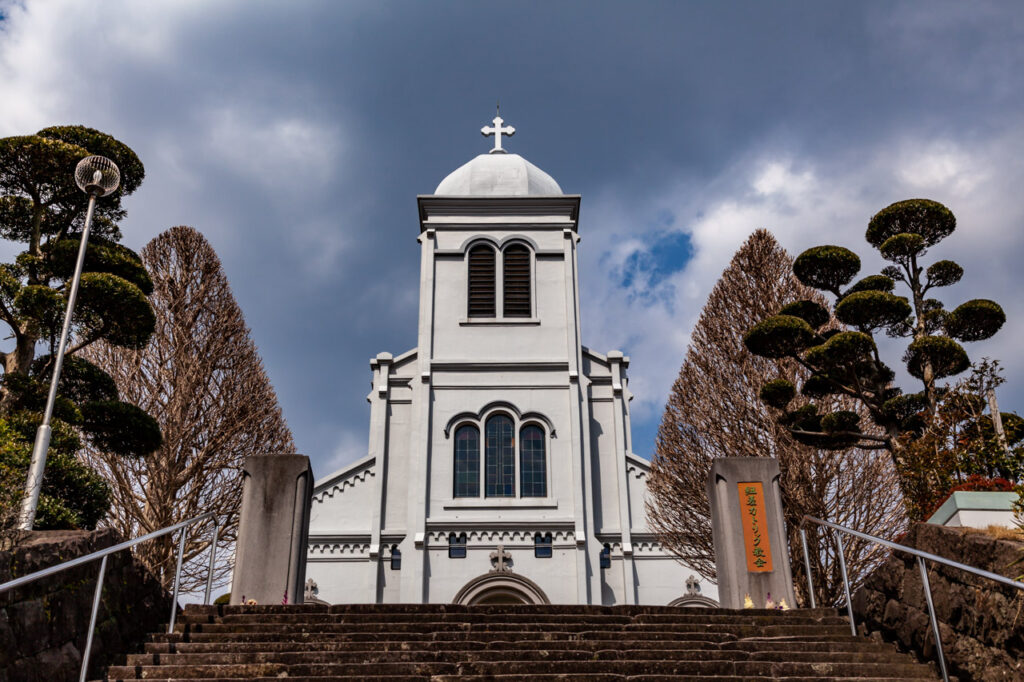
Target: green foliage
x=778 y=337
x=900 y=246
x=72 y=496
x=945 y=356
x=846 y=362
x=943 y=273
x=843 y=351
x=930 y=219
x=810 y=312
x=121 y=428
x=826 y=267
x=115 y=309
x=778 y=393
x=869 y=310
x=100 y=256
x=872 y=283
x=975 y=320
x=42 y=207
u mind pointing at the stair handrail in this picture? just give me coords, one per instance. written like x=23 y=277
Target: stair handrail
x=922 y=557
x=104 y=553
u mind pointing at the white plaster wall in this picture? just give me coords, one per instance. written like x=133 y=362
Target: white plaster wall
x=341 y=508
x=396 y=492
x=981 y=518
x=636 y=481
x=604 y=467
x=555 y=576
x=342 y=581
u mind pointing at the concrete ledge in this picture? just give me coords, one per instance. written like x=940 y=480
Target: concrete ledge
x=974 y=501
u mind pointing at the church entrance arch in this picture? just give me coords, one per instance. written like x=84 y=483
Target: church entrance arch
x=501 y=588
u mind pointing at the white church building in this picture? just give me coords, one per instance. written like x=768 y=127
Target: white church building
x=499 y=467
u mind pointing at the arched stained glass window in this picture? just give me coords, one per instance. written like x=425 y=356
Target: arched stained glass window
x=467 y=461
x=516 y=273
x=482 y=282
x=533 y=470
x=500 y=457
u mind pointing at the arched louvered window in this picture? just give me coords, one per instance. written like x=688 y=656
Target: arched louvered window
x=500 y=457
x=533 y=470
x=481 y=282
x=542 y=545
x=516 y=273
x=606 y=556
x=456 y=546
x=396 y=558
x=467 y=461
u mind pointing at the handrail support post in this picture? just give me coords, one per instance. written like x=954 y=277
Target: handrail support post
x=92 y=620
x=177 y=578
x=807 y=565
x=213 y=558
x=846 y=584
x=931 y=614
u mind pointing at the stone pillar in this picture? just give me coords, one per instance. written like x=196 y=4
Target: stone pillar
x=273 y=530
x=751 y=546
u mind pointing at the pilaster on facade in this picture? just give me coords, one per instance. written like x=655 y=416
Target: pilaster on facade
x=378 y=399
x=615 y=361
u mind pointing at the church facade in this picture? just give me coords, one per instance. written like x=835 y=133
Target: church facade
x=499 y=466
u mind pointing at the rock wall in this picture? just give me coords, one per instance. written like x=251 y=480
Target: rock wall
x=981 y=621
x=43 y=625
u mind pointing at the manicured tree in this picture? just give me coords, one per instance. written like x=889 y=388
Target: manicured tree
x=847 y=362
x=713 y=411
x=201 y=376
x=41 y=207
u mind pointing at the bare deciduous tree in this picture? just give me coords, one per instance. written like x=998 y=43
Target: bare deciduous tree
x=714 y=411
x=201 y=377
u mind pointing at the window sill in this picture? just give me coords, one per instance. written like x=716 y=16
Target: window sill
x=497 y=321
x=502 y=503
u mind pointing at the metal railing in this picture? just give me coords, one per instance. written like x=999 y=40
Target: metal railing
x=104 y=553
x=922 y=557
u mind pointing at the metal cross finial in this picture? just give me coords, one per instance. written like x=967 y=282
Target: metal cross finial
x=497 y=131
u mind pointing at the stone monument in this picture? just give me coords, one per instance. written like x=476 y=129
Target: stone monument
x=273 y=530
x=751 y=547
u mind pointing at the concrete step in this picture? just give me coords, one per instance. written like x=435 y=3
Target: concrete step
x=751 y=669
x=847 y=646
x=493 y=655
x=291 y=610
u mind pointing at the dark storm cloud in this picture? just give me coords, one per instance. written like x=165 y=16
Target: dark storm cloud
x=296 y=136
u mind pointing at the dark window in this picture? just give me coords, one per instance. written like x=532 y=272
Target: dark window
x=467 y=461
x=533 y=472
x=516 y=273
x=481 y=282
x=456 y=546
x=606 y=556
x=500 y=457
x=396 y=558
x=542 y=545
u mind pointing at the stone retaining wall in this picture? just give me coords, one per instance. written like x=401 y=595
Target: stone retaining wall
x=982 y=622
x=43 y=625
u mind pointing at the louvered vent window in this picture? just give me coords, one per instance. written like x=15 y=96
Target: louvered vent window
x=481 y=282
x=516 y=266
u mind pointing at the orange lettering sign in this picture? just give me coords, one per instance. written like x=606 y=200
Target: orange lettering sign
x=755 y=527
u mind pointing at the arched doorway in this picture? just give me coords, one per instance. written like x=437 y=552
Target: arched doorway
x=501 y=588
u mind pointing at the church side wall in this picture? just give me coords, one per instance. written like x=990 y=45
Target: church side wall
x=396 y=490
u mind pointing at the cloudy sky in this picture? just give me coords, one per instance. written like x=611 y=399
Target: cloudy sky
x=297 y=135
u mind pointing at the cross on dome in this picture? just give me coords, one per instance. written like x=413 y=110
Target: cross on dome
x=497 y=131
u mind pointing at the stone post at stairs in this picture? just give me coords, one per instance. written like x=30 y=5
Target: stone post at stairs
x=273 y=530
x=751 y=547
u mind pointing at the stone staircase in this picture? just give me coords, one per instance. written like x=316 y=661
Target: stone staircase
x=445 y=642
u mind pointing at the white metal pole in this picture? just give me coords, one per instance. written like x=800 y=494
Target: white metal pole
x=42 y=444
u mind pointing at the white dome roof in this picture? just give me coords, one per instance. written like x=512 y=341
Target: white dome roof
x=498 y=175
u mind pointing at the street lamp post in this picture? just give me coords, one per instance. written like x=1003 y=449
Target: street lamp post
x=97 y=176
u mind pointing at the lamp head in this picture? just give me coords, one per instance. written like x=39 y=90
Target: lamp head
x=97 y=176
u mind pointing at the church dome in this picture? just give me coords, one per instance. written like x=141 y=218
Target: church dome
x=498 y=174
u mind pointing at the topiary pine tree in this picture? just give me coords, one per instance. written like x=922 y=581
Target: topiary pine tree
x=847 y=362
x=41 y=207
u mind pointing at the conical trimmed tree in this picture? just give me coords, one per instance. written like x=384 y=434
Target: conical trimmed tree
x=202 y=378
x=715 y=410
